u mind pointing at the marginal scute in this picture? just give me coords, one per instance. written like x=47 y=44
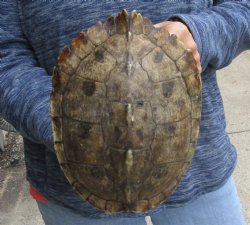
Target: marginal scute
x=159 y=36
x=136 y=23
x=81 y=190
x=125 y=113
x=67 y=61
x=196 y=107
x=57 y=129
x=142 y=206
x=100 y=203
x=190 y=152
x=110 y=25
x=56 y=104
x=60 y=152
x=81 y=45
x=67 y=172
x=59 y=80
x=186 y=64
x=173 y=47
x=113 y=206
x=193 y=83
x=170 y=186
x=121 y=21
x=97 y=34
x=148 y=26
x=195 y=129
x=156 y=199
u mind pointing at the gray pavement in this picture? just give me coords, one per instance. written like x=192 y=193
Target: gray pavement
x=234 y=82
x=16 y=205
x=2 y=140
x=18 y=208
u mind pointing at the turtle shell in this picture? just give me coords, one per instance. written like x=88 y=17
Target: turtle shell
x=125 y=107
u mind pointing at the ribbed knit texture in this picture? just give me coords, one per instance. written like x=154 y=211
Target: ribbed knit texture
x=32 y=33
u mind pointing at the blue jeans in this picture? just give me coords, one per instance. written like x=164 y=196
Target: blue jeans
x=221 y=207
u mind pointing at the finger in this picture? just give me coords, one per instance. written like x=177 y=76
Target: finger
x=161 y=24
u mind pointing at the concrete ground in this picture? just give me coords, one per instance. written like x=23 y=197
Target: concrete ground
x=2 y=140
x=18 y=208
x=234 y=82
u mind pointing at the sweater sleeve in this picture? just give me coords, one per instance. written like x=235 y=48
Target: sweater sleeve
x=24 y=86
x=221 y=32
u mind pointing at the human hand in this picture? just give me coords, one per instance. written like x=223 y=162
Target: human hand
x=184 y=35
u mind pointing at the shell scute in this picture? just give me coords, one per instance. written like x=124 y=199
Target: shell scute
x=91 y=94
x=89 y=137
x=91 y=177
x=81 y=45
x=116 y=45
x=170 y=143
x=159 y=66
x=161 y=177
x=139 y=47
x=170 y=102
x=97 y=65
x=120 y=88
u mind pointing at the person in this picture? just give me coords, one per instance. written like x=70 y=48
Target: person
x=32 y=33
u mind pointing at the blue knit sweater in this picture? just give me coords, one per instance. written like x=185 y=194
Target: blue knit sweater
x=32 y=33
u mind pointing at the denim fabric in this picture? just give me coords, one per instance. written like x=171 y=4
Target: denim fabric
x=32 y=33
x=221 y=207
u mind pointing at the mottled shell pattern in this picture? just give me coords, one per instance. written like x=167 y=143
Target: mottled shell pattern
x=125 y=107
